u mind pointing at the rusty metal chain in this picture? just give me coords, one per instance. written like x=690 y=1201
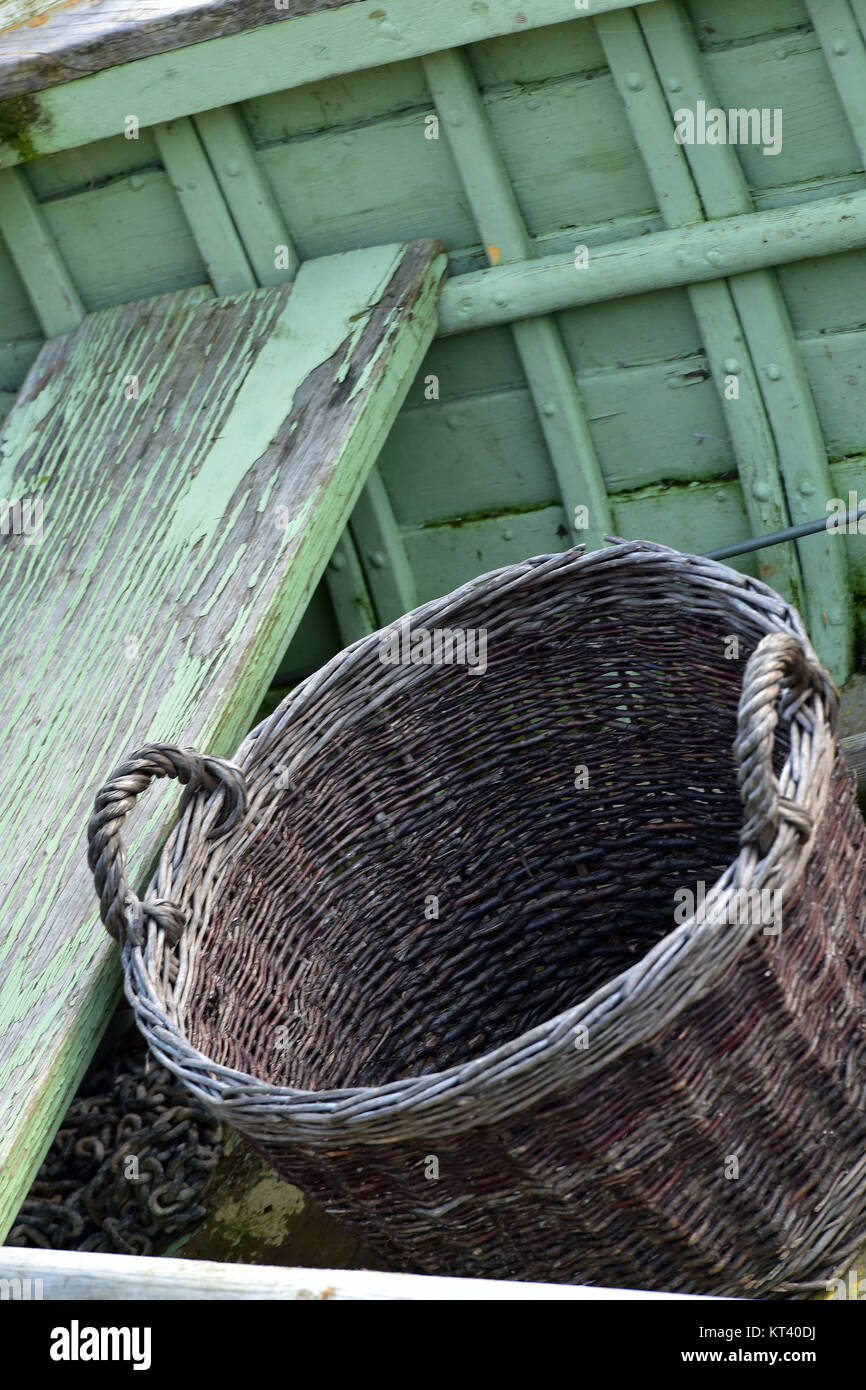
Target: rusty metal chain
x=128 y=1166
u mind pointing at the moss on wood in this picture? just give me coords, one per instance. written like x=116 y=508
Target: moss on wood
x=19 y=117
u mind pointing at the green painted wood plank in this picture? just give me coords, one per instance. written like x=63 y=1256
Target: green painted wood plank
x=128 y=240
x=195 y=184
x=127 y=237
x=694 y=517
x=350 y=596
x=542 y=126
x=300 y=49
x=360 y=175
x=535 y=118
x=91 y=167
x=131 y=240
x=845 y=51
x=848 y=476
x=637 y=331
x=366 y=149
x=569 y=440
x=384 y=193
x=480 y=450
x=708 y=251
x=686 y=517
x=356 y=182
x=16 y=359
x=347 y=102
x=536 y=121
x=248 y=195
x=444 y=557
x=503 y=230
x=53 y=295
x=767 y=328
x=18 y=321
x=485 y=451
x=826 y=296
x=721 y=26
x=836 y=367
x=722 y=334
x=526 y=59
x=690 y=518
x=788 y=72
x=475 y=454
x=183 y=533
x=382 y=552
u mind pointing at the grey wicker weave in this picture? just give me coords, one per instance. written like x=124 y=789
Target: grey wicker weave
x=421 y=942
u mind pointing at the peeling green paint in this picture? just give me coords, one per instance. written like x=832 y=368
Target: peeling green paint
x=135 y=619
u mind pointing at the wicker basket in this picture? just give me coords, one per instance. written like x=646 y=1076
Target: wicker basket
x=437 y=944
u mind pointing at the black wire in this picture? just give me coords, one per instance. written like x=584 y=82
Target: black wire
x=793 y=533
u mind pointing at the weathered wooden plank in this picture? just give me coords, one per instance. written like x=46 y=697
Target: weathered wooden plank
x=42 y=45
x=92 y=167
x=825 y=296
x=302 y=48
x=192 y=461
x=71 y=1274
x=95 y=35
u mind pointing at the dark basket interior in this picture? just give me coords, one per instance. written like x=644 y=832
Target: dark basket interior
x=319 y=968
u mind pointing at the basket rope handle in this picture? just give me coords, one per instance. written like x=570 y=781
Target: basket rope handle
x=121 y=911
x=779 y=666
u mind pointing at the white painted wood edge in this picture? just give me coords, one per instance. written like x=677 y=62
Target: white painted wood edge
x=70 y=1274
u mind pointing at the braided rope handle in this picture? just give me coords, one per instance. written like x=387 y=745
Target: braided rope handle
x=121 y=911
x=779 y=666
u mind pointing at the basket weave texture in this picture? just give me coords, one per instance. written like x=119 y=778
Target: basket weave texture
x=423 y=942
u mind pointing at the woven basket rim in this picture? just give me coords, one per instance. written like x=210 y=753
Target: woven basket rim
x=630 y=1008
